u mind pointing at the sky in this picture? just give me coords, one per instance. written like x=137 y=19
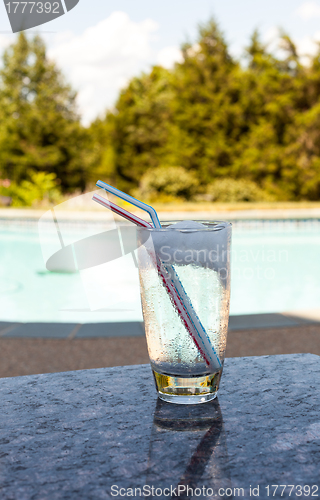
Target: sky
x=100 y=45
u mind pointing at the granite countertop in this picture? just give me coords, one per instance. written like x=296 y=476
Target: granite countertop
x=86 y=434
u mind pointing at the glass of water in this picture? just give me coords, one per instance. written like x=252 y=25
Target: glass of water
x=184 y=270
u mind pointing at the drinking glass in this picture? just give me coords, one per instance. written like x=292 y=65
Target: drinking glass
x=184 y=270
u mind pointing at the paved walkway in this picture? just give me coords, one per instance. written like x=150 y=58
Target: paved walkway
x=136 y=329
x=27 y=349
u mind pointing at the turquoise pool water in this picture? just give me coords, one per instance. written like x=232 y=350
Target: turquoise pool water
x=275 y=268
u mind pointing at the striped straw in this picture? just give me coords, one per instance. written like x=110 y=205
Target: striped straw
x=175 y=290
x=120 y=211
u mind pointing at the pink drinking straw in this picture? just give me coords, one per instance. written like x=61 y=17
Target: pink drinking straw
x=174 y=288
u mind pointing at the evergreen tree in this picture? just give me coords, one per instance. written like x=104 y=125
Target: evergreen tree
x=140 y=127
x=206 y=106
x=100 y=151
x=207 y=119
x=39 y=126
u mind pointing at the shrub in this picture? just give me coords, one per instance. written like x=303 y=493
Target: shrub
x=165 y=183
x=229 y=190
x=40 y=187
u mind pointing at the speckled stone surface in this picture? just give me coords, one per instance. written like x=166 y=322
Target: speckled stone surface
x=76 y=435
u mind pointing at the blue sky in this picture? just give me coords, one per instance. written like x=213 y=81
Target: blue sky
x=100 y=45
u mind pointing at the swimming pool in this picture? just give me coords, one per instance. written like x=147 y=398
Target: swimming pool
x=275 y=268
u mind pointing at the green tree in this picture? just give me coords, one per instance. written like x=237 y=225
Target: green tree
x=279 y=94
x=206 y=106
x=39 y=126
x=189 y=116
x=101 y=156
x=140 y=127
x=256 y=124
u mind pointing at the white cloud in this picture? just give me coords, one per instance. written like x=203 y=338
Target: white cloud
x=102 y=59
x=308 y=10
x=5 y=41
x=306 y=46
x=272 y=38
x=168 y=56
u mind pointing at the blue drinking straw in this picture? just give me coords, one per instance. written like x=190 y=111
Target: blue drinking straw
x=151 y=211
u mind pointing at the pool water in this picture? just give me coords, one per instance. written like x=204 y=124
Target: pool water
x=275 y=268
